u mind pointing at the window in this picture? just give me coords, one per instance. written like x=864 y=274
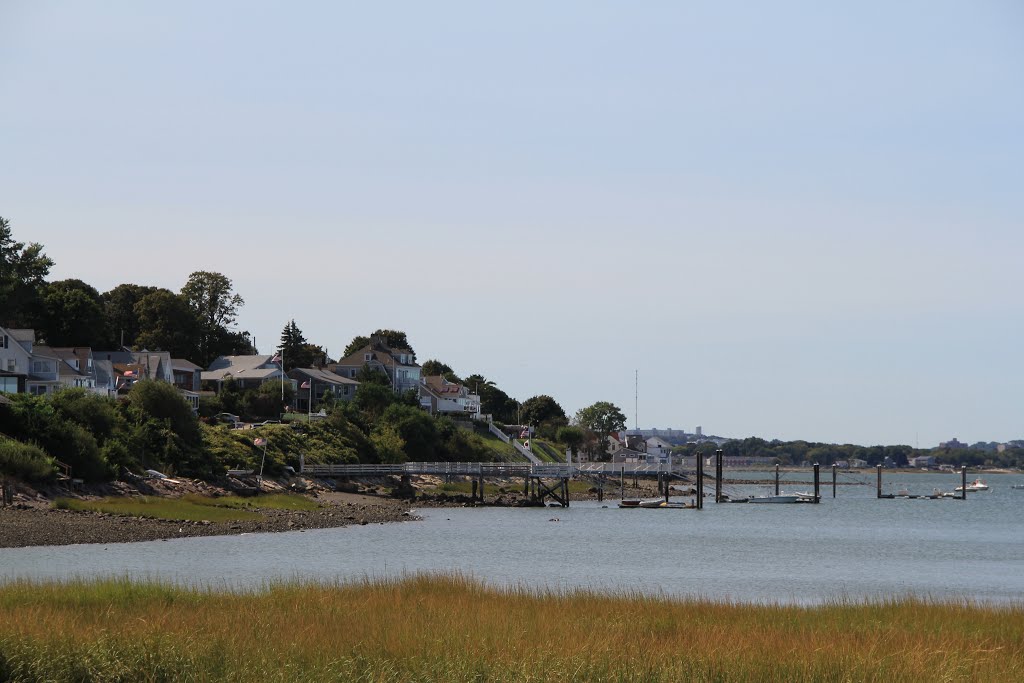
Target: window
x=5 y=342
x=11 y=365
x=366 y=357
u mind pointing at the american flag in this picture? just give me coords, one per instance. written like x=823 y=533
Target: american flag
x=276 y=358
x=305 y=385
x=259 y=442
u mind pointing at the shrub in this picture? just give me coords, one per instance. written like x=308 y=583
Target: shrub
x=25 y=461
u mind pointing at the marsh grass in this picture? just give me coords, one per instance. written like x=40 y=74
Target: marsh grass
x=177 y=509
x=454 y=629
x=275 y=501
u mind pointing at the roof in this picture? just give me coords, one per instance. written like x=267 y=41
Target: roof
x=380 y=353
x=241 y=367
x=45 y=351
x=439 y=385
x=318 y=375
x=23 y=335
x=185 y=365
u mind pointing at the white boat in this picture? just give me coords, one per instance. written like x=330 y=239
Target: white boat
x=976 y=485
x=771 y=498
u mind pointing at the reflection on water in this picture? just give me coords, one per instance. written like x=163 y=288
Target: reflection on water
x=851 y=546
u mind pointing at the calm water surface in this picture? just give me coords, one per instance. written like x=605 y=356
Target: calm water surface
x=852 y=546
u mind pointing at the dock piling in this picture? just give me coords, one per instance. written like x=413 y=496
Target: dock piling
x=878 y=484
x=817 y=483
x=718 y=476
x=833 y=480
x=963 y=482
x=776 y=479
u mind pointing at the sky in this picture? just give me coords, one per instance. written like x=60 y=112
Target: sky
x=792 y=220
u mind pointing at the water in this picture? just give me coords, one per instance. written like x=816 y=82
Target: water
x=854 y=546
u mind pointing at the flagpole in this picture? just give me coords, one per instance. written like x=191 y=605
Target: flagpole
x=309 y=408
x=282 y=378
x=263 y=461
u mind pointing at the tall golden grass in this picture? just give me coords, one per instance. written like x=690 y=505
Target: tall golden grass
x=454 y=629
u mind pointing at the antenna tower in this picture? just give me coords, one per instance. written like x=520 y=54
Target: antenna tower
x=636 y=400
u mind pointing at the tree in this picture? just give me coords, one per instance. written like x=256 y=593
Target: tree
x=122 y=323
x=572 y=437
x=435 y=367
x=395 y=339
x=493 y=401
x=71 y=315
x=389 y=444
x=602 y=419
x=417 y=429
x=540 y=409
x=167 y=323
x=210 y=296
x=23 y=270
x=298 y=353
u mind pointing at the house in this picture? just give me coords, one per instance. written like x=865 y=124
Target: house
x=15 y=360
x=439 y=396
x=398 y=364
x=142 y=364
x=314 y=383
x=248 y=372
x=658 y=447
x=187 y=375
x=922 y=461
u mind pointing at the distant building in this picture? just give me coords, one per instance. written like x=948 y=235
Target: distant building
x=952 y=444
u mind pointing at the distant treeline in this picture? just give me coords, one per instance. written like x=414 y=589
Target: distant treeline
x=797 y=452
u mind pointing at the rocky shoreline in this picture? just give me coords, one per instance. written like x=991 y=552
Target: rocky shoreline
x=32 y=526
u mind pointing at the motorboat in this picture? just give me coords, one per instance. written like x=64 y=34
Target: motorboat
x=655 y=503
x=629 y=503
x=976 y=485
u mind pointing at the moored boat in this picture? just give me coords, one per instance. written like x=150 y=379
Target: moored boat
x=976 y=485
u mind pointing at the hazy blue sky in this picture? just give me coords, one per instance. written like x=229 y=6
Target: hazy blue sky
x=793 y=219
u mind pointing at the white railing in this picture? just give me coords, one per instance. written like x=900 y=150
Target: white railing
x=498 y=433
x=524 y=451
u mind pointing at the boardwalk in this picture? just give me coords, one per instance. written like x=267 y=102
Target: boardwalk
x=489 y=469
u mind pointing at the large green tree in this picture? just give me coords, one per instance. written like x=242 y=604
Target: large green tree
x=121 y=320
x=601 y=418
x=298 y=353
x=71 y=314
x=211 y=297
x=23 y=270
x=167 y=323
x=433 y=367
x=540 y=409
x=395 y=339
x=493 y=401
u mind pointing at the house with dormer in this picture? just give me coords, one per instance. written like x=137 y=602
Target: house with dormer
x=399 y=365
x=441 y=397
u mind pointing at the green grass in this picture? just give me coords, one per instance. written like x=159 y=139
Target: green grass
x=453 y=629
x=276 y=501
x=191 y=507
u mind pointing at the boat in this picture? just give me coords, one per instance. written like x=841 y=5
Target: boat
x=655 y=503
x=1017 y=486
x=771 y=498
x=976 y=485
x=630 y=503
